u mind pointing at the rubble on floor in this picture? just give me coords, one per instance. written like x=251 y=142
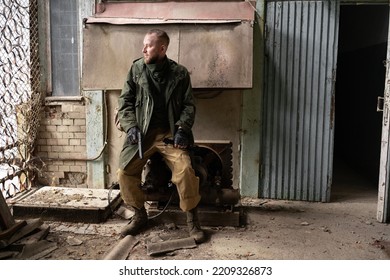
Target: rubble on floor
x=22 y=239
x=23 y=232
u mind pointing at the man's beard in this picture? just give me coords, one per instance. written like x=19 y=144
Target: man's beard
x=151 y=59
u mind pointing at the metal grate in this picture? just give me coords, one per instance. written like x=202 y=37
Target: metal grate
x=20 y=98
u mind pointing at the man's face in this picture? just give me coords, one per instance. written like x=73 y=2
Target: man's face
x=153 y=51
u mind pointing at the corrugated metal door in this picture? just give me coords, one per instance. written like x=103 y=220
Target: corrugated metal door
x=297 y=142
x=383 y=210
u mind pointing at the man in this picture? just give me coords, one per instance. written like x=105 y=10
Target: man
x=157 y=103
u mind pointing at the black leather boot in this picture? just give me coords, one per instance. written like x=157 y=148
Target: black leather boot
x=138 y=221
x=194 y=227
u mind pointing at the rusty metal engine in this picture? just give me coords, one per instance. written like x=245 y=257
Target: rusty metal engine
x=212 y=162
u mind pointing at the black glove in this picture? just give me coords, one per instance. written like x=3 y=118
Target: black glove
x=181 y=139
x=132 y=135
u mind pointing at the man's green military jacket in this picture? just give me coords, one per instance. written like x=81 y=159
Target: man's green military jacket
x=135 y=104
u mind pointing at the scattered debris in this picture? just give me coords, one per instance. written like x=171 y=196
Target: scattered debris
x=155 y=239
x=11 y=230
x=124 y=213
x=37 y=250
x=30 y=226
x=28 y=242
x=383 y=245
x=72 y=241
x=248 y=201
x=7 y=255
x=326 y=229
x=171 y=226
x=22 y=239
x=40 y=235
x=378 y=244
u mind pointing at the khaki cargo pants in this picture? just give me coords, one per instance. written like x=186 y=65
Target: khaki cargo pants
x=178 y=161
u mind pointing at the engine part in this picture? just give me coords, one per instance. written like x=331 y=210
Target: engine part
x=212 y=164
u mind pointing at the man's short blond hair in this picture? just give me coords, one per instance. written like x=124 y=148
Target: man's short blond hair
x=162 y=36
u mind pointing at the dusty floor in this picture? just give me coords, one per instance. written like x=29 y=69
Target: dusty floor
x=344 y=229
x=276 y=230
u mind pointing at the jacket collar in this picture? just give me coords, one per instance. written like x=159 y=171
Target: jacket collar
x=141 y=76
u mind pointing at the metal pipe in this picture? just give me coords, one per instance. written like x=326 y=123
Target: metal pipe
x=122 y=249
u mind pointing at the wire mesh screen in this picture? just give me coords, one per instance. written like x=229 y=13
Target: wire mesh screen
x=20 y=99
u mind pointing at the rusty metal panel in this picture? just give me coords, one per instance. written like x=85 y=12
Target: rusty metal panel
x=301 y=51
x=109 y=50
x=173 y=12
x=215 y=43
x=217 y=55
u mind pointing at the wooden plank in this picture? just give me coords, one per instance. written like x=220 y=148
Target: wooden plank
x=27 y=229
x=10 y=231
x=6 y=218
x=40 y=235
x=37 y=250
x=7 y=255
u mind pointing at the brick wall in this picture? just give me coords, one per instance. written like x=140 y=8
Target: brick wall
x=61 y=145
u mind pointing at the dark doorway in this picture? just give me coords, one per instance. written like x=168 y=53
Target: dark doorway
x=360 y=79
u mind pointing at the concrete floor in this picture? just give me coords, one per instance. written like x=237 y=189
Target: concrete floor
x=343 y=229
